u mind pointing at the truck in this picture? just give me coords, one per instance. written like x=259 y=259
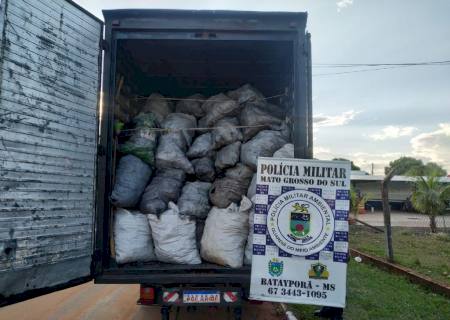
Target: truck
x=60 y=70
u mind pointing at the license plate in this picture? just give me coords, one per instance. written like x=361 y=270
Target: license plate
x=204 y=296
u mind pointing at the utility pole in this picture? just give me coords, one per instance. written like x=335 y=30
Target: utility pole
x=387 y=214
x=372 y=169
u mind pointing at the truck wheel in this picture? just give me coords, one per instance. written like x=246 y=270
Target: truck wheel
x=165 y=313
x=237 y=313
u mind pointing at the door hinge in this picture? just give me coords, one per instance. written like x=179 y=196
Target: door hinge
x=101 y=150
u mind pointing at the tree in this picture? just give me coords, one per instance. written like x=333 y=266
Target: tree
x=408 y=166
x=433 y=169
x=357 y=200
x=430 y=197
x=354 y=166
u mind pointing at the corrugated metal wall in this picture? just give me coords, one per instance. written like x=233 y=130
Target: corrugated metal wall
x=48 y=124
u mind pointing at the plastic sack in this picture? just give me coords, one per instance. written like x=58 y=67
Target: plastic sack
x=264 y=144
x=199 y=227
x=226 y=132
x=229 y=189
x=177 y=122
x=228 y=156
x=225 y=234
x=143 y=141
x=132 y=237
x=202 y=146
x=164 y=187
x=159 y=106
x=249 y=245
x=246 y=93
x=132 y=176
x=174 y=237
x=287 y=151
x=240 y=172
x=170 y=155
x=218 y=107
x=192 y=105
x=251 y=191
x=204 y=169
x=194 y=199
x=257 y=119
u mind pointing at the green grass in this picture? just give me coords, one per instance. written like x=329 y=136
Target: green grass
x=373 y=294
x=417 y=249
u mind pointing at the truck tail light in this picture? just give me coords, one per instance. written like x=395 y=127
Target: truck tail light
x=147 y=295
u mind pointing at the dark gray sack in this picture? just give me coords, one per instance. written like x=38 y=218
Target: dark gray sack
x=226 y=132
x=204 y=169
x=218 y=107
x=164 y=187
x=264 y=144
x=228 y=156
x=192 y=105
x=132 y=176
x=194 y=199
x=257 y=119
x=201 y=147
x=231 y=188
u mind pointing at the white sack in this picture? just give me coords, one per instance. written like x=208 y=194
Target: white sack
x=225 y=234
x=132 y=237
x=249 y=245
x=174 y=237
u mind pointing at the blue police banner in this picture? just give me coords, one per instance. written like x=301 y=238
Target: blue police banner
x=300 y=240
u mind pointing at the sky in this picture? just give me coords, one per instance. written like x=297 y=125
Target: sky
x=369 y=117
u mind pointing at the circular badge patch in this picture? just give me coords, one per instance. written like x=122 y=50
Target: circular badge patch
x=300 y=222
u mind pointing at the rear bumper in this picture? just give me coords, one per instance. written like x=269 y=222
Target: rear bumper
x=166 y=274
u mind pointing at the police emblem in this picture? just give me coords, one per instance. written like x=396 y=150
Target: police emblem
x=318 y=271
x=300 y=220
x=275 y=267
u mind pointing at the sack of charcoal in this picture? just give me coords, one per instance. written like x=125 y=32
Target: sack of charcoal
x=225 y=234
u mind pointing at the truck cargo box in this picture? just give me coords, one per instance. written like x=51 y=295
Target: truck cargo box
x=180 y=53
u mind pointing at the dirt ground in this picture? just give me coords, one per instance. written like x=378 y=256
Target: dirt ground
x=108 y=302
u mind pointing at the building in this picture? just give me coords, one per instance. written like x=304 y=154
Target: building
x=400 y=189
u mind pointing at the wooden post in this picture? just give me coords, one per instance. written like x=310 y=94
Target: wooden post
x=387 y=214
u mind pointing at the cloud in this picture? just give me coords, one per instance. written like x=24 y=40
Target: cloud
x=434 y=146
x=393 y=132
x=365 y=160
x=322 y=120
x=322 y=153
x=342 y=4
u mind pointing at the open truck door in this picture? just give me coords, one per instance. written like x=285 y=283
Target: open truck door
x=50 y=64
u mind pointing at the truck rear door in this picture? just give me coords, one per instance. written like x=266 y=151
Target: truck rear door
x=50 y=63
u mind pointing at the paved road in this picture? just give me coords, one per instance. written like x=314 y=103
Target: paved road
x=403 y=219
x=109 y=302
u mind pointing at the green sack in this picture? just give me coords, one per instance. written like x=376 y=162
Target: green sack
x=143 y=141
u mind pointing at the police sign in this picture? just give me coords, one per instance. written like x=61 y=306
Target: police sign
x=300 y=241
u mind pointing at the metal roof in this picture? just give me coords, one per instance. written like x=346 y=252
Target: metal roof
x=358 y=177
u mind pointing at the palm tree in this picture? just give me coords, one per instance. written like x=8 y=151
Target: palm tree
x=357 y=200
x=430 y=197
